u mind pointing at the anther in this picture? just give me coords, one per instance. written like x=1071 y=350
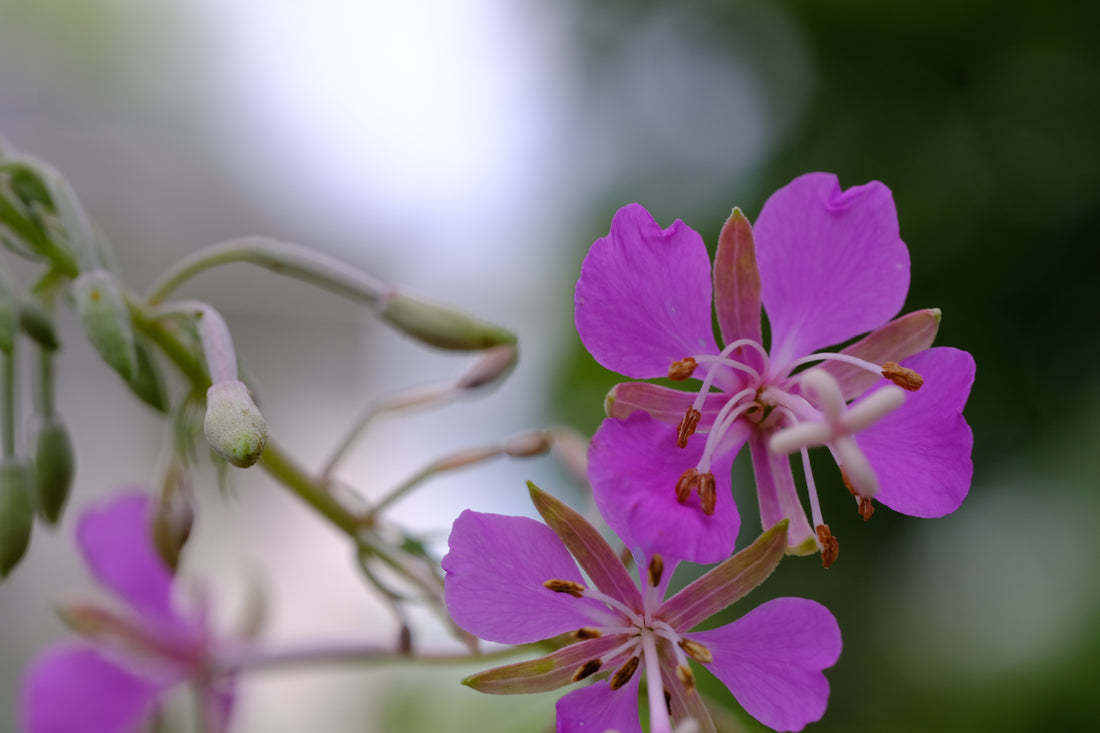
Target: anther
x=678 y=371
x=708 y=495
x=866 y=507
x=586 y=632
x=624 y=673
x=686 y=677
x=687 y=426
x=904 y=377
x=565 y=586
x=830 y=547
x=687 y=482
x=696 y=651
x=656 y=569
x=587 y=669
x=668 y=700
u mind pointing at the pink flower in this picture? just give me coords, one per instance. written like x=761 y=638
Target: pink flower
x=514 y=580
x=136 y=654
x=826 y=265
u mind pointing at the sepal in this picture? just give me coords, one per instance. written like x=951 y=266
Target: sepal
x=550 y=672
x=54 y=466
x=106 y=319
x=16 y=513
x=440 y=325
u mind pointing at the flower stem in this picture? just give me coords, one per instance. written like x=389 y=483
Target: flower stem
x=355 y=652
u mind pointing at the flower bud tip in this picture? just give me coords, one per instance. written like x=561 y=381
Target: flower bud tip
x=233 y=425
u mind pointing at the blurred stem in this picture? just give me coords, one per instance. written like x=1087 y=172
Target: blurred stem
x=7 y=385
x=44 y=382
x=284 y=258
x=355 y=652
x=279 y=464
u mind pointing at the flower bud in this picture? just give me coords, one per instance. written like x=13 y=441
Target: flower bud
x=16 y=513
x=106 y=320
x=9 y=314
x=233 y=425
x=54 y=466
x=173 y=520
x=147 y=382
x=441 y=326
x=37 y=323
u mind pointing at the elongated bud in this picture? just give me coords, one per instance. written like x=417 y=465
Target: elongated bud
x=9 y=314
x=148 y=382
x=54 y=466
x=102 y=310
x=37 y=323
x=233 y=424
x=439 y=325
x=16 y=513
x=495 y=364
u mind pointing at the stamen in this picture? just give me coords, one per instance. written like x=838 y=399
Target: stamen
x=708 y=495
x=587 y=669
x=624 y=673
x=566 y=586
x=835 y=356
x=866 y=507
x=696 y=651
x=811 y=488
x=687 y=426
x=678 y=371
x=686 y=677
x=830 y=547
x=656 y=569
x=687 y=482
x=586 y=632
x=904 y=377
x=668 y=700
x=724 y=420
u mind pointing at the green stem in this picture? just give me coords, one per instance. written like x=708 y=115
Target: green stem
x=7 y=393
x=355 y=652
x=44 y=383
x=279 y=464
x=284 y=258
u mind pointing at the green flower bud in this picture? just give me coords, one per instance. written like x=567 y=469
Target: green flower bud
x=54 y=466
x=233 y=425
x=147 y=382
x=102 y=310
x=173 y=520
x=9 y=314
x=441 y=326
x=36 y=323
x=16 y=513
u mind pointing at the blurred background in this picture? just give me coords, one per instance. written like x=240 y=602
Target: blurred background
x=473 y=151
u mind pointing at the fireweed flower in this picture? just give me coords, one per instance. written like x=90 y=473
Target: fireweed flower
x=826 y=265
x=514 y=580
x=136 y=655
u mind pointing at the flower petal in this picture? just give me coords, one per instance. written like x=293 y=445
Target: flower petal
x=643 y=299
x=777 y=495
x=897 y=340
x=634 y=466
x=598 y=708
x=726 y=583
x=772 y=659
x=117 y=544
x=737 y=281
x=684 y=704
x=588 y=548
x=496 y=568
x=832 y=265
x=545 y=673
x=664 y=404
x=70 y=689
x=921 y=451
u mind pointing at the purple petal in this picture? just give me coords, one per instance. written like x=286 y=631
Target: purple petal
x=71 y=689
x=588 y=547
x=772 y=660
x=727 y=583
x=777 y=495
x=598 y=708
x=118 y=547
x=832 y=265
x=921 y=451
x=496 y=568
x=684 y=704
x=643 y=299
x=737 y=281
x=634 y=465
x=545 y=673
x=897 y=340
x=662 y=403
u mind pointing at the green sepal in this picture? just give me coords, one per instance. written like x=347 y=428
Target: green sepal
x=106 y=319
x=148 y=381
x=16 y=513
x=54 y=467
x=545 y=673
x=36 y=323
x=440 y=325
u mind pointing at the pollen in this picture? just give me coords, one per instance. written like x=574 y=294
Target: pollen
x=586 y=632
x=624 y=673
x=696 y=651
x=830 y=547
x=565 y=586
x=656 y=570
x=678 y=371
x=587 y=669
x=687 y=426
x=904 y=377
x=866 y=507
